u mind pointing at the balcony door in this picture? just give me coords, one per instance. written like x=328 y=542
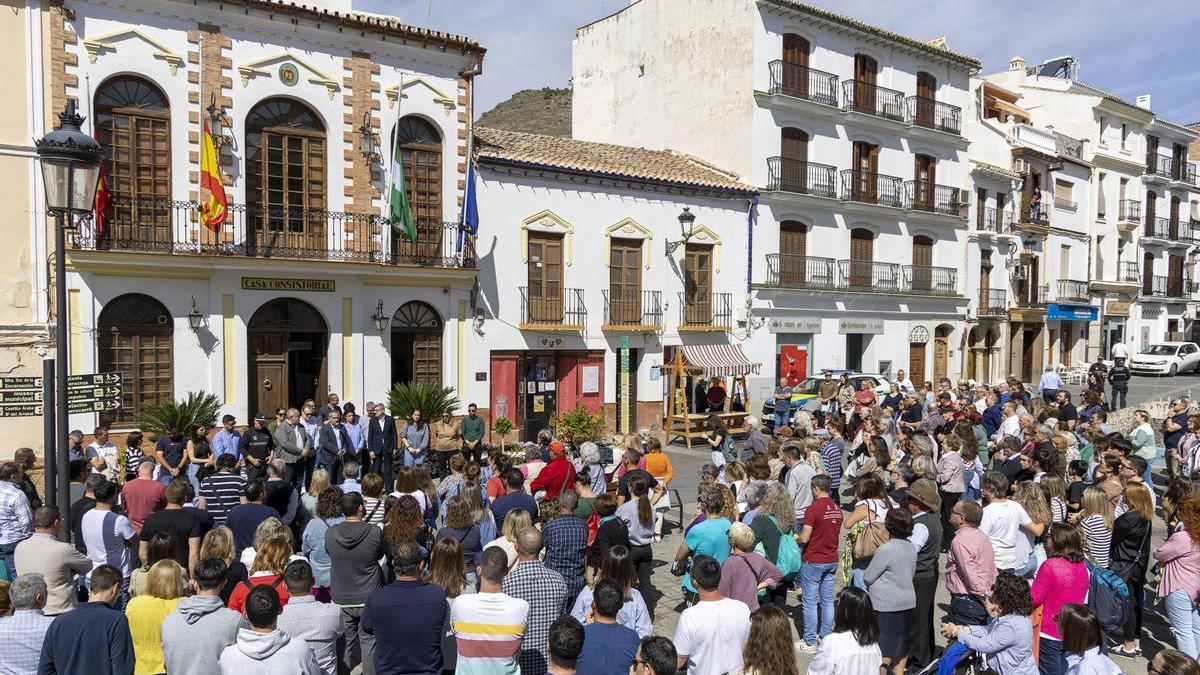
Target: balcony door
x=545 y=270
x=1151 y=210
x=793 y=151
x=697 y=284
x=862 y=257
x=1151 y=154
x=922 y=263
x=1179 y=162
x=1175 y=276
x=1174 y=218
x=286 y=172
x=926 y=96
x=793 y=246
x=866 y=168
x=924 y=173
x=421 y=149
x=865 y=69
x=1147 y=273
x=133 y=123
x=625 y=281
x=795 y=65
x=985 y=279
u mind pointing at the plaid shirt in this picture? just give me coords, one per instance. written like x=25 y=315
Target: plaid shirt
x=566 y=540
x=21 y=637
x=16 y=521
x=546 y=592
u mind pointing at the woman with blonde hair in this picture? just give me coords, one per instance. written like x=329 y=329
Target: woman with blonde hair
x=730 y=510
x=1129 y=556
x=267 y=570
x=165 y=585
x=265 y=530
x=769 y=649
x=1031 y=498
x=514 y=522
x=309 y=498
x=462 y=525
x=1096 y=519
x=1056 y=490
x=218 y=543
x=735 y=478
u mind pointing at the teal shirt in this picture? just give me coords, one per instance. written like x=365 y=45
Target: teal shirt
x=472 y=428
x=708 y=537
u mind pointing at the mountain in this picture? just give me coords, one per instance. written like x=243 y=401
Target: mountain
x=534 y=111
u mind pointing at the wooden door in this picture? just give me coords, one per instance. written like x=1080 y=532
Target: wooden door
x=985 y=279
x=865 y=179
x=981 y=208
x=1028 y=342
x=916 y=362
x=1174 y=218
x=1151 y=210
x=287 y=182
x=1147 y=273
x=795 y=65
x=1175 y=276
x=924 y=173
x=793 y=151
x=545 y=277
x=941 y=348
x=269 y=372
x=922 y=263
x=625 y=282
x=697 y=284
x=865 y=69
x=793 y=245
x=926 y=98
x=1179 y=162
x=1151 y=153
x=427 y=358
x=862 y=257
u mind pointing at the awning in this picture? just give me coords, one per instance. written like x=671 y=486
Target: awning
x=1010 y=108
x=719 y=360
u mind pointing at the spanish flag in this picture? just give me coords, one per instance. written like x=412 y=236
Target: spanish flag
x=103 y=206
x=213 y=205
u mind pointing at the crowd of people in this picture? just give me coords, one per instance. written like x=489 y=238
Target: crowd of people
x=319 y=543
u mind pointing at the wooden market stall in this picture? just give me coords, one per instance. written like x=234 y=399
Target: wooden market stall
x=708 y=361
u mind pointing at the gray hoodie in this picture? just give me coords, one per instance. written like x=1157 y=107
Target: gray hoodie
x=196 y=632
x=355 y=549
x=274 y=653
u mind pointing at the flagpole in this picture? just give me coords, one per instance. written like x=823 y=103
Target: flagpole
x=200 y=155
x=462 y=213
x=387 y=205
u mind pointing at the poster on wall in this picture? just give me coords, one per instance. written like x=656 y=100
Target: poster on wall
x=539 y=404
x=793 y=363
x=591 y=380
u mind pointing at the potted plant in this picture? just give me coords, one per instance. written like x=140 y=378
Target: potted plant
x=431 y=399
x=578 y=425
x=198 y=408
x=502 y=427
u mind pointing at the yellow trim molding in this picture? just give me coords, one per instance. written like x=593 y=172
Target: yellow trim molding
x=256 y=69
x=347 y=347
x=627 y=228
x=705 y=235
x=229 y=347
x=548 y=221
x=461 y=366
x=105 y=43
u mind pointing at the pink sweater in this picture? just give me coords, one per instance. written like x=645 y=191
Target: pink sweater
x=1181 y=565
x=1058 y=582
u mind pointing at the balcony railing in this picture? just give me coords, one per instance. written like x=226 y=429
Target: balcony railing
x=1067 y=146
x=933 y=114
x=1071 y=290
x=871 y=188
x=793 y=79
x=1032 y=137
x=802 y=177
x=1129 y=210
x=632 y=308
x=868 y=275
x=565 y=308
x=1170 y=287
x=1035 y=214
x=1127 y=272
x=260 y=231
x=922 y=195
x=705 y=310
x=1165 y=228
x=872 y=99
x=996 y=220
x=993 y=302
x=928 y=280
x=1186 y=173
x=789 y=270
x=1032 y=296
x=1159 y=165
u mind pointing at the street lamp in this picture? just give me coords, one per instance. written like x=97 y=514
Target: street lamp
x=367 y=144
x=70 y=162
x=216 y=119
x=381 y=320
x=687 y=227
x=194 y=317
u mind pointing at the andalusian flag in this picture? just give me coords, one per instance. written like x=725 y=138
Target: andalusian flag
x=213 y=205
x=399 y=211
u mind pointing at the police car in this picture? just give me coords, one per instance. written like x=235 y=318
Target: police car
x=804 y=394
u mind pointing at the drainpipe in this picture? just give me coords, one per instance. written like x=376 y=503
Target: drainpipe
x=750 y=242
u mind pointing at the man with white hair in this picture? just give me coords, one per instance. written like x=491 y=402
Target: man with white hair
x=22 y=634
x=755 y=442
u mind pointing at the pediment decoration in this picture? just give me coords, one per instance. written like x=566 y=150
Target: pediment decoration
x=108 y=43
x=259 y=68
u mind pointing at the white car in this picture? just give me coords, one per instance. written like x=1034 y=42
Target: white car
x=1166 y=358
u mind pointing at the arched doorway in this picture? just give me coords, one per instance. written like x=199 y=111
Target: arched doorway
x=416 y=344
x=134 y=338
x=941 y=351
x=287 y=341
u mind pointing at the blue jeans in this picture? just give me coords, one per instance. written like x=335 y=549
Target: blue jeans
x=193 y=471
x=782 y=418
x=816 y=577
x=413 y=460
x=1185 y=622
x=1147 y=477
x=1051 y=659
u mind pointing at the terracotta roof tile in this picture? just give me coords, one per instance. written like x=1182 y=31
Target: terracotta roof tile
x=556 y=152
x=366 y=21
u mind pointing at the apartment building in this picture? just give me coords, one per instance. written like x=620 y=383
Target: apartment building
x=303 y=289
x=855 y=138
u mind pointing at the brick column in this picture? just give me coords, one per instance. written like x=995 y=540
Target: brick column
x=64 y=62
x=216 y=78
x=360 y=87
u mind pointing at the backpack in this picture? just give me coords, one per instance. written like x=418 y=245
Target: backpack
x=788 y=558
x=727 y=449
x=1109 y=598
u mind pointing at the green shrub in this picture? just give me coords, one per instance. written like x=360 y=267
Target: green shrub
x=431 y=399
x=198 y=408
x=578 y=425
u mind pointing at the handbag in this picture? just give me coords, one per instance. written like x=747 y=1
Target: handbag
x=870 y=538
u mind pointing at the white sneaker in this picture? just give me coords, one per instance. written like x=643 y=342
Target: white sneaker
x=806 y=648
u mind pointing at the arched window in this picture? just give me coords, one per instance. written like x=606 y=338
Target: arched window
x=416 y=344
x=134 y=338
x=421 y=145
x=133 y=123
x=285 y=178
x=1147 y=273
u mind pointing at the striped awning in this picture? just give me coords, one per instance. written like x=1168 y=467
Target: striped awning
x=719 y=360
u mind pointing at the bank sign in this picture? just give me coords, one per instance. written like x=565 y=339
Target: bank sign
x=1072 y=312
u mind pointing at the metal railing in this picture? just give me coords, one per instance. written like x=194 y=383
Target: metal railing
x=928 y=280
x=1129 y=210
x=868 y=275
x=922 y=195
x=793 y=79
x=1159 y=165
x=1127 y=272
x=632 y=308
x=933 y=114
x=261 y=231
x=1033 y=296
x=565 y=308
x=871 y=188
x=1169 y=287
x=996 y=220
x=993 y=302
x=1165 y=228
x=712 y=310
x=872 y=99
x=1072 y=290
x=790 y=270
x=801 y=176
x=1036 y=214
x=1186 y=173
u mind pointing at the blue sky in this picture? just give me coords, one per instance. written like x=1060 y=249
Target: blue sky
x=1128 y=49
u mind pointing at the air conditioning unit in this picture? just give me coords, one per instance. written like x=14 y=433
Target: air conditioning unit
x=1020 y=272
x=1020 y=166
x=964 y=196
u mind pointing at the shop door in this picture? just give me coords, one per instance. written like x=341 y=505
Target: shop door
x=855 y=343
x=916 y=362
x=1028 y=341
x=1068 y=343
x=540 y=393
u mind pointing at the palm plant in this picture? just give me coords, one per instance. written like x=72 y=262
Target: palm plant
x=198 y=408
x=431 y=399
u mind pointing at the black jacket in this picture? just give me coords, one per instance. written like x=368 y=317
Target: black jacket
x=1119 y=377
x=1130 y=551
x=327 y=443
x=381 y=442
x=610 y=533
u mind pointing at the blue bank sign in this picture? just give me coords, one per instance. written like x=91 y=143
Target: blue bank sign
x=1072 y=312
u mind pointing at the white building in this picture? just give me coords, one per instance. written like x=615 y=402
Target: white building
x=303 y=290
x=854 y=134
x=580 y=273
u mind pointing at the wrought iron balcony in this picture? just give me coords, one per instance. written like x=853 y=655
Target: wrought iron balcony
x=1071 y=290
x=632 y=309
x=262 y=231
x=927 y=280
x=996 y=220
x=1032 y=296
x=1034 y=214
x=793 y=79
x=698 y=310
x=922 y=195
x=1127 y=272
x=788 y=270
x=1159 y=165
x=868 y=275
x=1159 y=228
x=802 y=177
x=1186 y=173
x=872 y=99
x=993 y=302
x=1129 y=210
x=1169 y=287
x=562 y=309
x=933 y=114
x=871 y=188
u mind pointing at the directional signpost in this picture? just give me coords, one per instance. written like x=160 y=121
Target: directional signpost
x=93 y=392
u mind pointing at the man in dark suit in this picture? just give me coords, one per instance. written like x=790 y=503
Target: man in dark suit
x=332 y=444
x=381 y=444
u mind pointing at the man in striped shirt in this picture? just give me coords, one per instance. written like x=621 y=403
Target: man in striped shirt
x=223 y=490
x=489 y=626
